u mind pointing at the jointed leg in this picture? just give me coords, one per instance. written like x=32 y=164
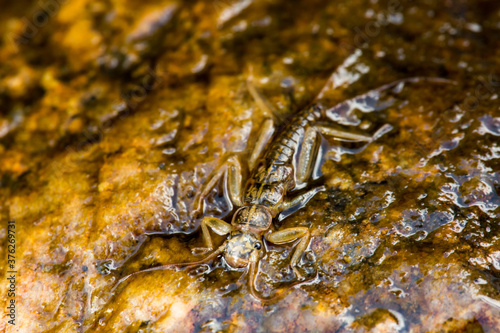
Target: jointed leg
x=234 y=181
x=342 y=135
x=218 y=226
x=263 y=104
x=232 y=168
x=310 y=146
x=301 y=200
x=289 y=235
x=265 y=135
x=308 y=155
x=373 y=100
x=267 y=130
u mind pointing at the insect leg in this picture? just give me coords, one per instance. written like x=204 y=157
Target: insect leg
x=232 y=168
x=218 y=226
x=267 y=130
x=342 y=135
x=289 y=235
x=263 y=104
x=207 y=187
x=308 y=154
x=375 y=99
x=235 y=180
x=301 y=200
x=265 y=135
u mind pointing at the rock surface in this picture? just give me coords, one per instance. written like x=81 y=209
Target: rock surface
x=113 y=114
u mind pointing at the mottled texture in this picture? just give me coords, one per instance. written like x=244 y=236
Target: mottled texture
x=114 y=113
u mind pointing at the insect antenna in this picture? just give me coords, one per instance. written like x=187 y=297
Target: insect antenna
x=210 y=257
x=280 y=293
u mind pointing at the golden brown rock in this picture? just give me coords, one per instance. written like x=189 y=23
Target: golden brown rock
x=113 y=114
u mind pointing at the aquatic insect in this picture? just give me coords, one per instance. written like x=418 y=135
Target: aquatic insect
x=278 y=163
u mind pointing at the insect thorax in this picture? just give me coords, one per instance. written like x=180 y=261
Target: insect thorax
x=252 y=218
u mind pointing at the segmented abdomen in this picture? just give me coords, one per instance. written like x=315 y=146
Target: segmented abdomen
x=284 y=145
x=274 y=175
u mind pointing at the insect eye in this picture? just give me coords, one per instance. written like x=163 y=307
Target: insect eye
x=257 y=245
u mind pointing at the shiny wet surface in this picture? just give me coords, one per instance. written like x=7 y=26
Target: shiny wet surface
x=113 y=114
